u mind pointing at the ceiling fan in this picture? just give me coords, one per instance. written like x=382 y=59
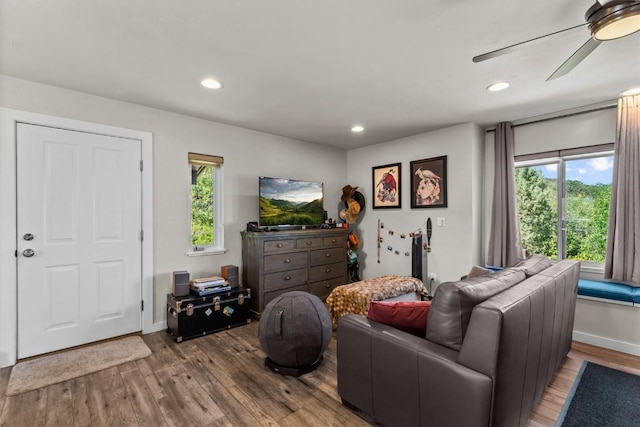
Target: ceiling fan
x=607 y=20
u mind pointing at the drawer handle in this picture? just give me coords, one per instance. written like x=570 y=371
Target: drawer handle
x=328 y=255
x=309 y=243
x=287 y=261
x=327 y=286
x=279 y=245
x=287 y=277
x=334 y=241
x=328 y=270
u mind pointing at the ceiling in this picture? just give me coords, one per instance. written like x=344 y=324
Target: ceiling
x=310 y=70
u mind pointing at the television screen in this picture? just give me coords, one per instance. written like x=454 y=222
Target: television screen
x=290 y=202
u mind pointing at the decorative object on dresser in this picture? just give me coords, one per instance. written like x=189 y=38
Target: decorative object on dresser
x=295 y=260
x=195 y=316
x=294 y=332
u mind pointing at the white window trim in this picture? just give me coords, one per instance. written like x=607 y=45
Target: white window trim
x=218 y=217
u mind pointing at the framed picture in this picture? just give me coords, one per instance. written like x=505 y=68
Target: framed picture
x=429 y=183
x=386 y=186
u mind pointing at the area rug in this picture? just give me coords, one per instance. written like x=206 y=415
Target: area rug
x=64 y=366
x=602 y=396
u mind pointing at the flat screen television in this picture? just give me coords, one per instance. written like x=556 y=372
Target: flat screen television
x=290 y=202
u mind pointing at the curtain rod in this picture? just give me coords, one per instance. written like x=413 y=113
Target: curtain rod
x=533 y=120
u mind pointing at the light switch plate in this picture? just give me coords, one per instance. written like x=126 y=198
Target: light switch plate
x=440 y=222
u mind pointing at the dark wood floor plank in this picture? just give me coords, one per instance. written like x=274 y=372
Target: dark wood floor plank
x=193 y=404
x=145 y=407
x=5 y=373
x=26 y=409
x=153 y=383
x=238 y=408
x=107 y=400
x=59 y=415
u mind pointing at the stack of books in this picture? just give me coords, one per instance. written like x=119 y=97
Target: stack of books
x=209 y=285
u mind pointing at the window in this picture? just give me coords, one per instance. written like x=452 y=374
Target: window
x=563 y=203
x=207 y=231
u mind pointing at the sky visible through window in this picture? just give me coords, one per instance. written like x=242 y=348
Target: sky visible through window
x=590 y=171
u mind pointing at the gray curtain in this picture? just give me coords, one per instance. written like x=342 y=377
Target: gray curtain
x=505 y=247
x=623 y=241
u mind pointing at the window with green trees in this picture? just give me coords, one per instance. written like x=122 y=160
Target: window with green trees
x=206 y=200
x=563 y=205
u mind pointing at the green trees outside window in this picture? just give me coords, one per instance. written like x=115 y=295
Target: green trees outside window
x=582 y=189
x=202 y=207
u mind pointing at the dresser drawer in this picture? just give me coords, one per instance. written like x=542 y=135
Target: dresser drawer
x=279 y=245
x=285 y=279
x=268 y=296
x=309 y=243
x=282 y=262
x=328 y=256
x=323 y=289
x=334 y=241
x=327 y=271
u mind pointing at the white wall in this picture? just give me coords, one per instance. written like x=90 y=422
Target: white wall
x=247 y=154
x=455 y=247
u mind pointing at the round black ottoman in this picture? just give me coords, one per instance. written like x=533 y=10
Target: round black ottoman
x=294 y=330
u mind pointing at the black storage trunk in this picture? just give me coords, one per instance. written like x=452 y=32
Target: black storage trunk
x=194 y=316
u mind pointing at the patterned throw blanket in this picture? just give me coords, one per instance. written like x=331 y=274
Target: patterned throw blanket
x=355 y=297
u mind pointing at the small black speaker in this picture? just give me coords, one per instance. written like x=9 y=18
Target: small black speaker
x=180 y=283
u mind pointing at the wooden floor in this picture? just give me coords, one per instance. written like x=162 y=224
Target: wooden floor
x=220 y=380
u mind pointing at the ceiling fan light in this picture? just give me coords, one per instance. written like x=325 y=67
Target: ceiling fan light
x=631 y=92
x=615 y=20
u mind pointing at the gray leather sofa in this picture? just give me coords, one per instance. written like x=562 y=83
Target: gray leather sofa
x=492 y=345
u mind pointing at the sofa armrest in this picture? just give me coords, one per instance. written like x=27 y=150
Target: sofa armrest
x=400 y=379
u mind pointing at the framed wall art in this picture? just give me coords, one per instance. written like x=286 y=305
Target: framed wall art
x=386 y=186
x=429 y=183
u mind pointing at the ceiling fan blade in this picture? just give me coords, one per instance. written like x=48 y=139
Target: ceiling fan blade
x=576 y=58
x=508 y=49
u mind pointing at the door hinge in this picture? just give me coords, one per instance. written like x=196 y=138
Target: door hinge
x=16 y=254
x=142 y=305
x=141 y=165
x=141 y=235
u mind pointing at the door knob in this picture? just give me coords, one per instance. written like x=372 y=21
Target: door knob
x=28 y=237
x=28 y=253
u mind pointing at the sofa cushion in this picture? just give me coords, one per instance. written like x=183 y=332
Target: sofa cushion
x=476 y=270
x=408 y=316
x=453 y=302
x=533 y=265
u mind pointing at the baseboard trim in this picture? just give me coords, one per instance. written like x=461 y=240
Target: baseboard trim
x=609 y=343
x=157 y=326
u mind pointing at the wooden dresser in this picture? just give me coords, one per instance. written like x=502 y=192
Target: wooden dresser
x=274 y=262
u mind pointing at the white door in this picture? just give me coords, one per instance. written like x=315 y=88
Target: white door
x=78 y=238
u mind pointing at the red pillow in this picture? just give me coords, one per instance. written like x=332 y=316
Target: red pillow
x=408 y=316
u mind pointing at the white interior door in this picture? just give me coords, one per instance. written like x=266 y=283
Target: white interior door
x=78 y=238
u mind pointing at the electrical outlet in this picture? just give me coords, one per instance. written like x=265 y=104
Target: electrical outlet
x=432 y=276
x=440 y=222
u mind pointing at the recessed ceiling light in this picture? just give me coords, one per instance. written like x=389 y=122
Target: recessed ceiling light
x=498 y=86
x=631 y=92
x=357 y=128
x=211 y=84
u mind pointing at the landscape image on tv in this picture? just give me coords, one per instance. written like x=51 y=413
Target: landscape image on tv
x=290 y=202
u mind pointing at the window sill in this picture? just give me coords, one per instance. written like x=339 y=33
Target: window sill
x=208 y=251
